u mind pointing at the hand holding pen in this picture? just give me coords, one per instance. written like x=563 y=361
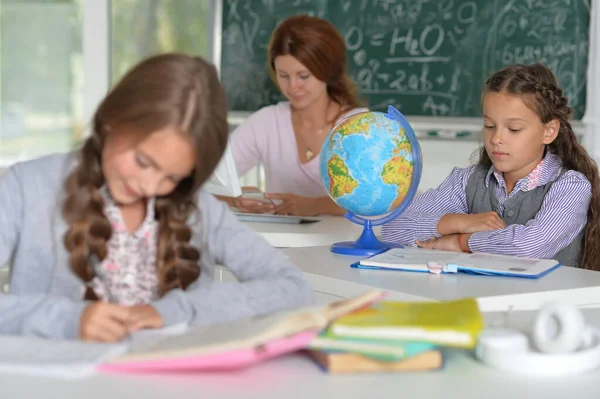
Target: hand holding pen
x=140 y=316
x=108 y=321
x=104 y=321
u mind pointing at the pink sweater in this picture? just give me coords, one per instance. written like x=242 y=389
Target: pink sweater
x=267 y=137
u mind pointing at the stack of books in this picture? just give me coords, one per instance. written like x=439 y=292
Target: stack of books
x=397 y=336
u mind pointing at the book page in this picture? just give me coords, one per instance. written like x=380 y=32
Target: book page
x=228 y=336
x=414 y=258
x=507 y=265
x=339 y=308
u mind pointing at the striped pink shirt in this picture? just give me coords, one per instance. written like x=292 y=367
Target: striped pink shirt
x=561 y=218
x=267 y=138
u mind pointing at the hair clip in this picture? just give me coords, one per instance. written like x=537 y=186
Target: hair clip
x=437 y=268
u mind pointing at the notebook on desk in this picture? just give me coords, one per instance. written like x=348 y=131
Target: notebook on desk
x=269 y=218
x=238 y=344
x=439 y=261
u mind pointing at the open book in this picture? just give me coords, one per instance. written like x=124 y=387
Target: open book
x=238 y=344
x=438 y=261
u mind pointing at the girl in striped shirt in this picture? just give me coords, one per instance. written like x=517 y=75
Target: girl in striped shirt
x=533 y=193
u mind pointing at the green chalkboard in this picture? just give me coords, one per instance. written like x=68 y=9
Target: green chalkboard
x=426 y=57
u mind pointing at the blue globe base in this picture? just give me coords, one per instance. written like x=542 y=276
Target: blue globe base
x=366 y=245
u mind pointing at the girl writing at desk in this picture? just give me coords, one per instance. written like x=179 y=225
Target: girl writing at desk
x=118 y=237
x=307 y=62
x=534 y=192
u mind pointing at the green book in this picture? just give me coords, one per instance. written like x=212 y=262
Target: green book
x=384 y=350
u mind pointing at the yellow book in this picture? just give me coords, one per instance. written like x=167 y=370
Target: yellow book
x=450 y=323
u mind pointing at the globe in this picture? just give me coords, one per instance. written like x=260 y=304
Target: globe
x=370 y=165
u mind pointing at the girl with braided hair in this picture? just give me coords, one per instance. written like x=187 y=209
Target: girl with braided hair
x=534 y=192
x=119 y=236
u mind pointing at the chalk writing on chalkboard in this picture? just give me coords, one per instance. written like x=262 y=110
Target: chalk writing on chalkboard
x=425 y=57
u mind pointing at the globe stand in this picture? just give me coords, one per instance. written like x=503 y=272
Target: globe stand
x=367 y=244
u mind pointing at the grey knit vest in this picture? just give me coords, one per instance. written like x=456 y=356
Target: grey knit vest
x=519 y=209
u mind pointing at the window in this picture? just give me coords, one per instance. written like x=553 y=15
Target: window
x=40 y=77
x=59 y=57
x=141 y=28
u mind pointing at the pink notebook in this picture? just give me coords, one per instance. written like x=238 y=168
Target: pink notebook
x=232 y=360
x=236 y=345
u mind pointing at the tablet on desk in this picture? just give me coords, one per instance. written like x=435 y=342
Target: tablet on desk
x=268 y=218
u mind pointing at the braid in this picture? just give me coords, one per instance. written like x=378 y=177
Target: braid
x=89 y=229
x=177 y=260
x=554 y=95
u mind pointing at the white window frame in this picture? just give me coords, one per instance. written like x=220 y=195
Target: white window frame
x=96 y=56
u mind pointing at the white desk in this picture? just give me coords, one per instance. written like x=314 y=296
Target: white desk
x=325 y=232
x=295 y=376
x=331 y=274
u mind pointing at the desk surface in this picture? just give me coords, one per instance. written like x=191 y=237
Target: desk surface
x=296 y=376
x=330 y=273
x=328 y=230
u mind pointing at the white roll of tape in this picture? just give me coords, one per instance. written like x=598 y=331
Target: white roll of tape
x=558 y=328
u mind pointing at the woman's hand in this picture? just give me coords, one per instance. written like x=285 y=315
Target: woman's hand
x=252 y=200
x=248 y=205
x=469 y=223
x=292 y=204
x=104 y=322
x=144 y=316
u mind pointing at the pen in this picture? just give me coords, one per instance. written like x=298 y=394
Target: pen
x=102 y=277
x=98 y=272
x=269 y=199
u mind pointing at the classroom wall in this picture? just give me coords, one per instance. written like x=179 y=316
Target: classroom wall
x=440 y=156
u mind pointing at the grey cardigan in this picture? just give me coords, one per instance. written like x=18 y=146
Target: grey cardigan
x=45 y=297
